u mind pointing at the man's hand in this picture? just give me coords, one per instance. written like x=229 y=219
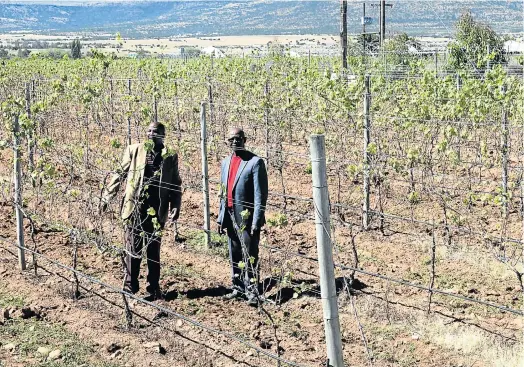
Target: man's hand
x=173 y=215
x=254 y=230
x=220 y=230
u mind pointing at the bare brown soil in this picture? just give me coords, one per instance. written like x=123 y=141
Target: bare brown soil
x=394 y=320
x=393 y=317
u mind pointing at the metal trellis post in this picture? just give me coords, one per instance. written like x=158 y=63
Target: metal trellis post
x=205 y=176
x=266 y=119
x=18 y=194
x=488 y=65
x=155 y=109
x=112 y=109
x=179 y=128
x=31 y=134
x=325 y=254
x=522 y=198
x=210 y=97
x=129 y=113
x=367 y=161
x=436 y=64
x=505 y=132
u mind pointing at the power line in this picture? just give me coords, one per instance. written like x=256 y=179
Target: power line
x=408 y=284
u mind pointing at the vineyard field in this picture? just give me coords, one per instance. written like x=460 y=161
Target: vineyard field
x=433 y=279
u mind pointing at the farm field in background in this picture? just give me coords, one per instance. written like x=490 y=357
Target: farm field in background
x=445 y=172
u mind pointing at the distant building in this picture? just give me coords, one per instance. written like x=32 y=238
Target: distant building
x=514 y=47
x=213 y=51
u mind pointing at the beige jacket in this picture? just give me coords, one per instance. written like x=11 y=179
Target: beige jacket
x=132 y=168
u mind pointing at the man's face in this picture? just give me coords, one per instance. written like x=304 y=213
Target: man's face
x=156 y=134
x=236 y=141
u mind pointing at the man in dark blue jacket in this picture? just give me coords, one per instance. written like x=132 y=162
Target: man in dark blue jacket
x=244 y=191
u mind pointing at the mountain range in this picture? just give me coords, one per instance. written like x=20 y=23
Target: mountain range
x=145 y=19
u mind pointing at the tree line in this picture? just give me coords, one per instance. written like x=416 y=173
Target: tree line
x=55 y=50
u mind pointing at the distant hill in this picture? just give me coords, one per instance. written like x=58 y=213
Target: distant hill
x=163 y=19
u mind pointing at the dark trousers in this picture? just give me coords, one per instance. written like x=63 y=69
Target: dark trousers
x=136 y=244
x=245 y=278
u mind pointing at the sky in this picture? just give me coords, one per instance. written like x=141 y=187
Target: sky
x=90 y=2
x=69 y=2
x=65 y=2
x=77 y=2
x=80 y=2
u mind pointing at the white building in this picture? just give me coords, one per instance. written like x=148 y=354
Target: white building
x=213 y=51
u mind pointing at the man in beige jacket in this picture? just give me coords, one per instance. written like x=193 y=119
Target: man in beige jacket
x=153 y=195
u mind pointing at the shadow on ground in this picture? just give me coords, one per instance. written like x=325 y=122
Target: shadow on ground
x=300 y=288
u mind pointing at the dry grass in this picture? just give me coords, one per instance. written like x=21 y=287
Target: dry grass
x=477 y=347
x=418 y=334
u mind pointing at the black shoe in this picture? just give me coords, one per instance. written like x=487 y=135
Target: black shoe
x=154 y=295
x=235 y=293
x=130 y=290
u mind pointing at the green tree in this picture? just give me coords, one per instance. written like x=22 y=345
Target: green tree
x=142 y=54
x=119 y=40
x=372 y=42
x=400 y=49
x=76 y=49
x=3 y=53
x=55 y=54
x=475 y=43
x=23 y=52
x=191 y=52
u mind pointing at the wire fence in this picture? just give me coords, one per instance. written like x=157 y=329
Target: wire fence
x=418 y=171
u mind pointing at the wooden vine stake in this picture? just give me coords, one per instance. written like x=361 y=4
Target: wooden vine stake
x=76 y=282
x=432 y=274
x=127 y=309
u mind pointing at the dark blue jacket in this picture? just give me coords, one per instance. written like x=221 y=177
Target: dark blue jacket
x=249 y=191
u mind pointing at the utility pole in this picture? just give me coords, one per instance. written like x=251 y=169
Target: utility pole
x=383 y=6
x=382 y=20
x=363 y=29
x=343 y=32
